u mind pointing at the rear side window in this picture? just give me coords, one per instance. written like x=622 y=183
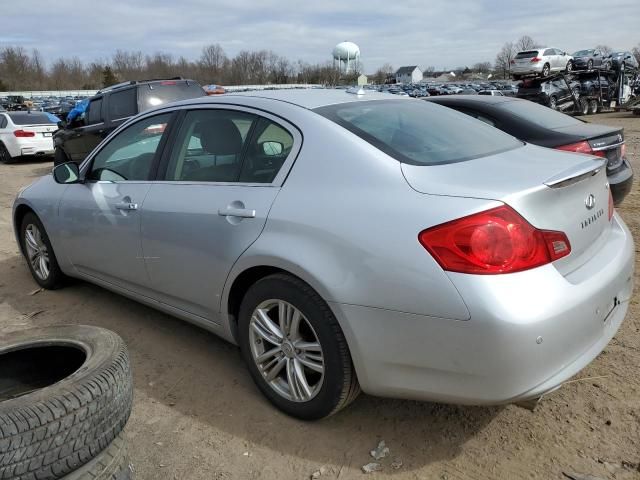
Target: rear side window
x=95 y=111
x=158 y=93
x=529 y=54
x=3 y=121
x=418 y=132
x=122 y=104
x=33 y=118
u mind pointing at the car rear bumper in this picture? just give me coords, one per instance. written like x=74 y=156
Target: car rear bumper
x=527 y=68
x=621 y=182
x=30 y=147
x=528 y=332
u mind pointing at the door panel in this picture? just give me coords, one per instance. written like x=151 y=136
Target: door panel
x=190 y=246
x=101 y=234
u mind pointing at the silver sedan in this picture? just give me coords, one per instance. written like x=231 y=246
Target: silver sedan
x=347 y=242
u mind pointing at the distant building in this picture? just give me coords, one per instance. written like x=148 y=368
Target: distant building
x=411 y=74
x=362 y=79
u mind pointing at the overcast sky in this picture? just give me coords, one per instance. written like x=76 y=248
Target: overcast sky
x=442 y=33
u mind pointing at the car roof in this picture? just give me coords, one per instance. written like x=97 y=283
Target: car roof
x=310 y=98
x=484 y=99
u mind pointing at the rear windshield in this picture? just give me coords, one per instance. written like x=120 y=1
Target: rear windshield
x=33 y=118
x=159 y=93
x=419 y=133
x=538 y=114
x=530 y=54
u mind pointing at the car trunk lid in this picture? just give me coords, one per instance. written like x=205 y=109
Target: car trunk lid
x=606 y=142
x=559 y=191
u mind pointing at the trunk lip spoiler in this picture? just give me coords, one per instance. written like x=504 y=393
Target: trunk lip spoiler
x=576 y=174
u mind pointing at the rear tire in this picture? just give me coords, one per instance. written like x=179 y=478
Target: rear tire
x=569 y=67
x=593 y=106
x=5 y=156
x=546 y=70
x=584 y=106
x=59 y=157
x=337 y=385
x=590 y=65
x=553 y=102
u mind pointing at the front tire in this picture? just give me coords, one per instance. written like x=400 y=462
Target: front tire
x=39 y=254
x=569 y=67
x=553 y=102
x=294 y=348
x=590 y=65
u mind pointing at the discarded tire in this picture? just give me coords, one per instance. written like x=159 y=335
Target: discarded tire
x=110 y=464
x=65 y=394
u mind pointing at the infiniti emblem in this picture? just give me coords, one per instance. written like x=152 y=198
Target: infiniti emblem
x=590 y=201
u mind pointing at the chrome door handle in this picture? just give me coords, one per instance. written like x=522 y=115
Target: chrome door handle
x=237 y=212
x=126 y=206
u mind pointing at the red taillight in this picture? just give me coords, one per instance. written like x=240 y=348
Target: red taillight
x=24 y=134
x=581 y=147
x=535 y=59
x=493 y=242
x=611 y=208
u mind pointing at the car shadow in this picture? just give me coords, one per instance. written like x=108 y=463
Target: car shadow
x=192 y=373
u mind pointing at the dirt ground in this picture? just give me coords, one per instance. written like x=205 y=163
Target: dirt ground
x=197 y=414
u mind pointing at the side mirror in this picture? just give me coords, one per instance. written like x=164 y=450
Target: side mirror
x=66 y=173
x=272 y=149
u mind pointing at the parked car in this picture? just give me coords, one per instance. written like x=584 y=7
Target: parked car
x=594 y=86
x=621 y=60
x=541 y=61
x=541 y=126
x=111 y=107
x=552 y=93
x=495 y=93
x=25 y=134
x=467 y=91
x=484 y=288
x=588 y=59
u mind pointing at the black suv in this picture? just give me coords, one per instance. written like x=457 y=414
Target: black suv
x=549 y=92
x=111 y=107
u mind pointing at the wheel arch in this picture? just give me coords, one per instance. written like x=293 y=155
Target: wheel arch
x=19 y=213
x=244 y=277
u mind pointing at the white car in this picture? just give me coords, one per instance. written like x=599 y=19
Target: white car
x=541 y=61
x=26 y=134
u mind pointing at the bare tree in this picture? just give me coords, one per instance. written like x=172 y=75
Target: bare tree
x=482 y=67
x=504 y=58
x=213 y=61
x=526 y=43
x=382 y=74
x=636 y=52
x=129 y=65
x=605 y=49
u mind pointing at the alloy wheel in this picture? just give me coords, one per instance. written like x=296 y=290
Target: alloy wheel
x=569 y=67
x=590 y=65
x=545 y=71
x=37 y=252
x=286 y=350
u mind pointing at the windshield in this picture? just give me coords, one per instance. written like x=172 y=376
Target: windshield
x=419 y=133
x=530 y=54
x=32 y=118
x=159 y=93
x=538 y=114
x=583 y=53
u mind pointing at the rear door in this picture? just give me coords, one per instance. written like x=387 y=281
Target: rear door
x=101 y=217
x=211 y=201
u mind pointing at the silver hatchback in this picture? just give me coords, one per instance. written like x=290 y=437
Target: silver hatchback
x=541 y=61
x=347 y=241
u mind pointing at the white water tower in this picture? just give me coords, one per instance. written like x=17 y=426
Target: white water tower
x=346 y=55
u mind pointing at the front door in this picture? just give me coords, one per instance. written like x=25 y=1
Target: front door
x=212 y=203
x=101 y=217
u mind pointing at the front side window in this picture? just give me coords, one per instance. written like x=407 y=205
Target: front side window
x=95 y=111
x=129 y=155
